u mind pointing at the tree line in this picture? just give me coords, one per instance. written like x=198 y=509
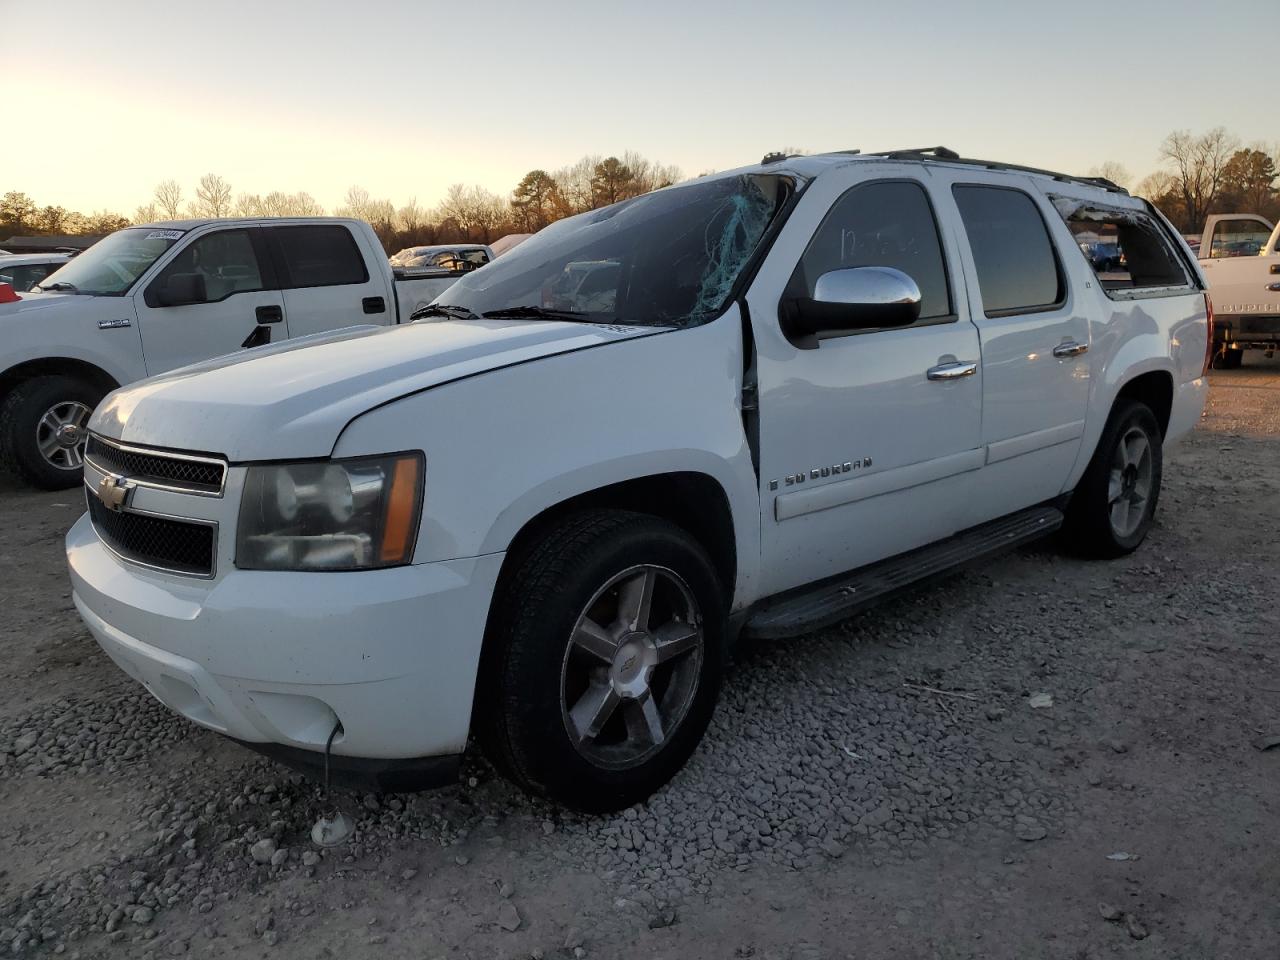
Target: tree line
x=466 y=213
x=1200 y=174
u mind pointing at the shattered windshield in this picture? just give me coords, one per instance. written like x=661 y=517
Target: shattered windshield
x=669 y=258
x=111 y=265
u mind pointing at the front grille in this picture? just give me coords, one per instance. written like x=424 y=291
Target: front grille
x=180 y=471
x=174 y=545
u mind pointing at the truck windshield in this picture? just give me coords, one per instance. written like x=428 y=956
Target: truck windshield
x=669 y=258
x=110 y=266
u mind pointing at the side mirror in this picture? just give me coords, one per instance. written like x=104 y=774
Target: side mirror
x=179 y=289
x=855 y=298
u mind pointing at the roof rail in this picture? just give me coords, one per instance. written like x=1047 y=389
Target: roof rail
x=950 y=156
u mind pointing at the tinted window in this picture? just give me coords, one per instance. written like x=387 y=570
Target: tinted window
x=1017 y=271
x=320 y=256
x=886 y=224
x=225 y=259
x=1238 y=238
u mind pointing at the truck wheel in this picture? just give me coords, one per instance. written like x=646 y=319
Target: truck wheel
x=1112 y=508
x=43 y=427
x=603 y=660
x=1228 y=359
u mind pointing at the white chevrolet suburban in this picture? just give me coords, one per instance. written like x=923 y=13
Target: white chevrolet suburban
x=152 y=298
x=540 y=514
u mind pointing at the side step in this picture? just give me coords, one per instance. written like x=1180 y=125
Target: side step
x=814 y=607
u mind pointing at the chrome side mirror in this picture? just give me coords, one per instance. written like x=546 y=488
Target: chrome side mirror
x=854 y=298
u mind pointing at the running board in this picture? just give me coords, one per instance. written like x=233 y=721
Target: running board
x=814 y=607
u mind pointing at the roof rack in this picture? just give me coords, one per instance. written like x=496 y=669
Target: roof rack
x=950 y=156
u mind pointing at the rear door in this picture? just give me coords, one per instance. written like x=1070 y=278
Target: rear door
x=327 y=282
x=1035 y=337
x=241 y=301
x=865 y=439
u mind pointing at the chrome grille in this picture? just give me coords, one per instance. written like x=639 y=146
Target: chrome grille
x=189 y=473
x=165 y=543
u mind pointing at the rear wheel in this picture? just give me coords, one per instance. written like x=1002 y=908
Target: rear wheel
x=1228 y=359
x=43 y=427
x=1115 y=502
x=603 y=660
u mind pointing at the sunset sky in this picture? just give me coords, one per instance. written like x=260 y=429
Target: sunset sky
x=106 y=99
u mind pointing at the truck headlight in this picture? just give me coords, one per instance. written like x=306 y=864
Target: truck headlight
x=330 y=514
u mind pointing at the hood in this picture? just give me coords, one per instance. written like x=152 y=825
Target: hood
x=294 y=399
x=33 y=305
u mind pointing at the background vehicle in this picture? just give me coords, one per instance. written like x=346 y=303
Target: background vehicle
x=151 y=298
x=1240 y=256
x=23 y=271
x=814 y=381
x=457 y=258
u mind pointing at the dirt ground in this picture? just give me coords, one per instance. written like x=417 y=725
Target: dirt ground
x=993 y=829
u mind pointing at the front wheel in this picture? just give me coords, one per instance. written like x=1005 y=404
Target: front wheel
x=603 y=660
x=1113 y=507
x=43 y=428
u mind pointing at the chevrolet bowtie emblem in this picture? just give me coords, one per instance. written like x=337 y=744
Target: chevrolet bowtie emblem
x=113 y=491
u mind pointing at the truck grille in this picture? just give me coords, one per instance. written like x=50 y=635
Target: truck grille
x=186 y=472
x=177 y=546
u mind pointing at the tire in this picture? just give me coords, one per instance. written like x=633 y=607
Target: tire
x=1228 y=359
x=43 y=426
x=562 y=709
x=1096 y=525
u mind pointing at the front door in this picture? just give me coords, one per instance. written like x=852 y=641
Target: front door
x=866 y=439
x=1240 y=282
x=238 y=302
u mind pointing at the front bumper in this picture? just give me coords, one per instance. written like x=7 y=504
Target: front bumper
x=276 y=660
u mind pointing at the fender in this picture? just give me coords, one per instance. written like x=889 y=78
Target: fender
x=513 y=442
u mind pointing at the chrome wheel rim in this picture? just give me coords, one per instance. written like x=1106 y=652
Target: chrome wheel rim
x=631 y=667
x=1129 y=488
x=61 y=432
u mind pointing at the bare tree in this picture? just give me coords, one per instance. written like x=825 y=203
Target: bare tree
x=213 y=197
x=146 y=213
x=1114 y=171
x=575 y=183
x=1198 y=164
x=168 y=199
x=411 y=217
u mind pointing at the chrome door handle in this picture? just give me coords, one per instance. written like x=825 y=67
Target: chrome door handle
x=952 y=371
x=1069 y=349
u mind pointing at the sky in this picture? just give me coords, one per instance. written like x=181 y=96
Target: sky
x=107 y=99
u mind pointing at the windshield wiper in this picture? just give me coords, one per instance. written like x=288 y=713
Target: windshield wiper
x=59 y=285
x=530 y=312
x=451 y=310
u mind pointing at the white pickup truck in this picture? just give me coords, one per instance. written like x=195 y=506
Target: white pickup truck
x=1240 y=256
x=148 y=299
x=752 y=403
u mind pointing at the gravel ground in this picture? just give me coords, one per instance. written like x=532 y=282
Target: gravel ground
x=1040 y=758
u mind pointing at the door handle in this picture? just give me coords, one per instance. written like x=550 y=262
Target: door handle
x=1069 y=348
x=271 y=313
x=374 y=305
x=952 y=371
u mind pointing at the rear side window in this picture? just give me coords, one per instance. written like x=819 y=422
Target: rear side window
x=1127 y=249
x=320 y=256
x=1017 y=268
x=886 y=223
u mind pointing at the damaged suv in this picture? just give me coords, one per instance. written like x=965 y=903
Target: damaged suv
x=751 y=404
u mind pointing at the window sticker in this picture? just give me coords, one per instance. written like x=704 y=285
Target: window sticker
x=165 y=235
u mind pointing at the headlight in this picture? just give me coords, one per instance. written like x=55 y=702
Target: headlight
x=330 y=514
